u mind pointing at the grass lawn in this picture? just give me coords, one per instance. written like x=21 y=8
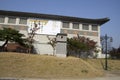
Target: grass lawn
x=22 y=65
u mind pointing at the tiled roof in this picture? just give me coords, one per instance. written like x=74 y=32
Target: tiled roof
x=54 y=17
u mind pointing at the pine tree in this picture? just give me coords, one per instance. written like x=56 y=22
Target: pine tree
x=10 y=35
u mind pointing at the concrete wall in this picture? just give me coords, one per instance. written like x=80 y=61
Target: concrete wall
x=41 y=44
x=61 y=49
x=61 y=45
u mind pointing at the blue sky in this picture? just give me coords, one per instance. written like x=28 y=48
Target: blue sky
x=77 y=8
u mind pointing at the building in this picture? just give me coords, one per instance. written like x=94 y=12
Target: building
x=50 y=25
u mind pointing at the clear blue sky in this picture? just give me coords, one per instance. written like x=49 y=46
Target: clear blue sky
x=77 y=8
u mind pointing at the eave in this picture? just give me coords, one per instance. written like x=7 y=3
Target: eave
x=54 y=17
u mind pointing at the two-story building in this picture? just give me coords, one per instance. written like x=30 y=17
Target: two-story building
x=49 y=26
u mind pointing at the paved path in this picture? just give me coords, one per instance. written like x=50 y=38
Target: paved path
x=114 y=75
x=99 y=78
x=102 y=78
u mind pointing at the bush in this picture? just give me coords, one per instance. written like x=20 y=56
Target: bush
x=115 y=53
x=80 y=47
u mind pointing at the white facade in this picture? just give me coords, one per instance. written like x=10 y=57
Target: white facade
x=51 y=28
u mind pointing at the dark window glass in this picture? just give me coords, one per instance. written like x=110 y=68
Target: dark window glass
x=23 y=21
x=75 y=25
x=85 y=26
x=65 y=24
x=94 y=28
x=12 y=20
x=2 y=19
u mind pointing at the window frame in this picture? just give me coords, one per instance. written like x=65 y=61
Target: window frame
x=2 y=17
x=11 y=18
x=74 y=26
x=66 y=23
x=84 y=26
x=22 y=22
x=93 y=27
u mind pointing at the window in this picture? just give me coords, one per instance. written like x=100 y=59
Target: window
x=2 y=19
x=23 y=21
x=65 y=24
x=94 y=28
x=85 y=26
x=12 y=20
x=75 y=25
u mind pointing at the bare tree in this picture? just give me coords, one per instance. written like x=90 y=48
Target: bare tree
x=32 y=34
x=52 y=42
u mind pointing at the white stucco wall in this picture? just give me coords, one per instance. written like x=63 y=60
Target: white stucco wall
x=41 y=44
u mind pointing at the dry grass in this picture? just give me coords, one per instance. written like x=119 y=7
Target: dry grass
x=40 y=66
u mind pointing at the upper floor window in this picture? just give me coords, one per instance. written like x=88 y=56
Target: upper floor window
x=75 y=25
x=65 y=25
x=94 y=28
x=23 y=21
x=2 y=19
x=85 y=26
x=12 y=20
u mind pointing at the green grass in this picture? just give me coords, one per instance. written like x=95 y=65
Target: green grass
x=21 y=65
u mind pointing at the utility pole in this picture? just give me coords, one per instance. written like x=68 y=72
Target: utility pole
x=105 y=39
x=106 y=62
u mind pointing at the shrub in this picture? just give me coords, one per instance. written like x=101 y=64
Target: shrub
x=80 y=47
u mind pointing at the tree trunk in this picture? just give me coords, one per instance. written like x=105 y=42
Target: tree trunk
x=4 y=43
